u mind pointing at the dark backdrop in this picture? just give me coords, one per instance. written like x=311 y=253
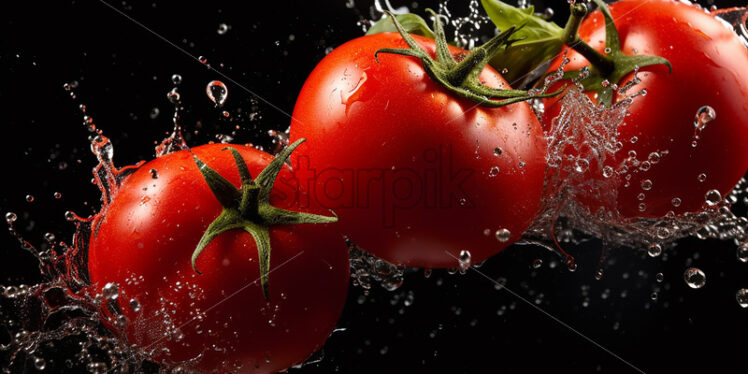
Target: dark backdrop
x=446 y=323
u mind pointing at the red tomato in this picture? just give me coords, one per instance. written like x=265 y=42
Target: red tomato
x=709 y=69
x=143 y=241
x=415 y=174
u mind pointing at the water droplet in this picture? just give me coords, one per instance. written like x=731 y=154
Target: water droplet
x=608 y=171
x=135 y=305
x=222 y=28
x=607 y=50
x=581 y=165
x=659 y=277
x=110 y=291
x=50 y=237
x=10 y=217
x=537 y=263
x=676 y=201
x=704 y=115
x=742 y=297
x=464 y=260
x=713 y=197
x=642 y=207
x=69 y=216
x=654 y=157
x=742 y=252
x=29 y=198
x=173 y=96
x=39 y=363
x=58 y=195
x=694 y=277
x=217 y=92
x=203 y=59
x=493 y=172
x=176 y=79
x=654 y=250
x=701 y=177
x=497 y=151
x=503 y=235
x=646 y=185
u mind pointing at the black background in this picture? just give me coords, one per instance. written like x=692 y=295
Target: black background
x=455 y=323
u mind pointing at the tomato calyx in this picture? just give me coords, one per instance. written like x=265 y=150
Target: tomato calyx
x=461 y=78
x=248 y=208
x=605 y=70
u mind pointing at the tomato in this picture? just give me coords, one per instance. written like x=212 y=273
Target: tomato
x=416 y=173
x=217 y=320
x=709 y=70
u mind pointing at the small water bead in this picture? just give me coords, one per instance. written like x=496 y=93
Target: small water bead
x=659 y=277
x=173 y=96
x=608 y=171
x=69 y=216
x=742 y=252
x=10 y=217
x=110 y=291
x=713 y=197
x=39 y=363
x=503 y=235
x=222 y=28
x=742 y=297
x=645 y=165
x=581 y=165
x=694 y=277
x=493 y=172
x=654 y=250
x=704 y=115
x=701 y=177
x=176 y=79
x=653 y=296
x=642 y=207
x=217 y=92
x=676 y=201
x=203 y=59
x=654 y=157
x=464 y=260
x=497 y=151
x=29 y=198
x=58 y=195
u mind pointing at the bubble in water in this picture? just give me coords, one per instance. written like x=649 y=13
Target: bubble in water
x=69 y=216
x=713 y=197
x=50 y=237
x=742 y=252
x=58 y=195
x=537 y=263
x=222 y=28
x=30 y=198
x=608 y=171
x=694 y=277
x=173 y=96
x=493 y=172
x=646 y=185
x=176 y=79
x=659 y=277
x=203 y=59
x=742 y=297
x=704 y=115
x=581 y=165
x=10 y=217
x=110 y=291
x=701 y=177
x=217 y=92
x=464 y=260
x=497 y=151
x=676 y=201
x=654 y=250
x=39 y=363
x=135 y=305
x=503 y=235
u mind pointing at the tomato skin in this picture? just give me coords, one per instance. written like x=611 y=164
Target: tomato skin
x=375 y=130
x=710 y=67
x=143 y=241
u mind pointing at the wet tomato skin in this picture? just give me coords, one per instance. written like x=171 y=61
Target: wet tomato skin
x=709 y=68
x=143 y=241
x=413 y=171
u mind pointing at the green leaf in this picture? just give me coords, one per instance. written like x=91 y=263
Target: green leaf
x=541 y=40
x=412 y=23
